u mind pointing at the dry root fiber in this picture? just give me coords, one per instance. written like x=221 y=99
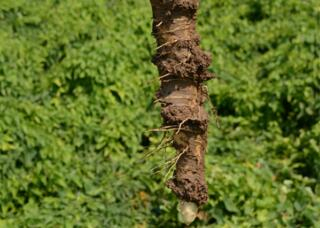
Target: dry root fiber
x=183 y=67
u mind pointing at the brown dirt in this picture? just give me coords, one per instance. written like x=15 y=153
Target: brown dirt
x=183 y=67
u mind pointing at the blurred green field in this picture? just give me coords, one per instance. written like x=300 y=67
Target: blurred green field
x=76 y=102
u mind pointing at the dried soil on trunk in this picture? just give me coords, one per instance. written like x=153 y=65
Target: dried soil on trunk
x=182 y=66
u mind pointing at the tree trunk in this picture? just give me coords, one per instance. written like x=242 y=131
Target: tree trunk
x=182 y=66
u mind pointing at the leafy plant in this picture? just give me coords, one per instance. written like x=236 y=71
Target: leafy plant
x=76 y=104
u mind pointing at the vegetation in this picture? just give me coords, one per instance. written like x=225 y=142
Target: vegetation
x=76 y=106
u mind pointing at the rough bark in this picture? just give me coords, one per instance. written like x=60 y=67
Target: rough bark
x=182 y=66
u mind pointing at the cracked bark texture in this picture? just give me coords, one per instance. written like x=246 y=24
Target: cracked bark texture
x=182 y=66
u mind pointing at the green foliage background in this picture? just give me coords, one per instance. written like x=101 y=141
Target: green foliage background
x=76 y=103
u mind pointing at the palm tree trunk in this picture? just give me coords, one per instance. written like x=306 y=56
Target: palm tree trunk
x=182 y=66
